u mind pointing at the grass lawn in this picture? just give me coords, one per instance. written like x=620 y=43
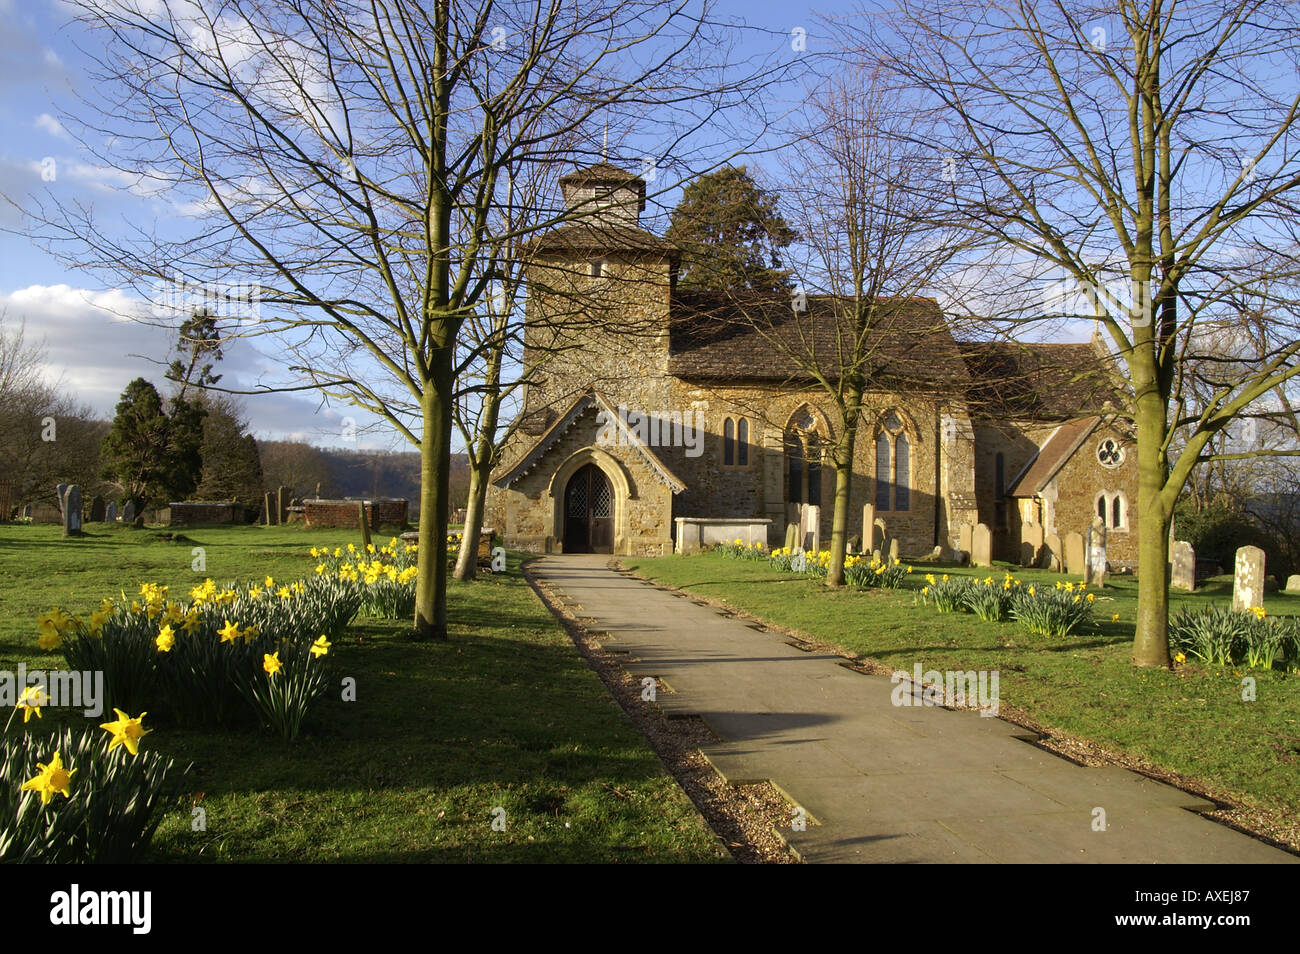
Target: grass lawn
x=1192 y=722
x=504 y=715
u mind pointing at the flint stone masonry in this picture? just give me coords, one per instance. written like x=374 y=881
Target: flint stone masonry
x=700 y=533
x=190 y=512
x=343 y=514
x=1248 y=580
x=1182 y=570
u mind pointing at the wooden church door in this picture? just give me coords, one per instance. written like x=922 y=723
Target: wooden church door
x=588 y=512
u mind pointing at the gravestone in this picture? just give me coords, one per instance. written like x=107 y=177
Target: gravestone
x=128 y=513
x=810 y=527
x=880 y=535
x=110 y=512
x=875 y=555
x=1293 y=584
x=27 y=512
x=893 y=550
x=1248 y=580
x=981 y=545
x=97 y=509
x=60 y=490
x=268 y=513
x=1031 y=544
x=965 y=535
x=791 y=537
x=1094 y=571
x=1053 y=555
x=72 y=511
x=1182 y=570
x=365 y=526
x=282 y=495
x=869 y=541
x=1074 y=554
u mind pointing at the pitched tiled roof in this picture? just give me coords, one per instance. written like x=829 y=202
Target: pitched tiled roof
x=756 y=337
x=1038 y=381
x=628 y=437
x=1065 y=440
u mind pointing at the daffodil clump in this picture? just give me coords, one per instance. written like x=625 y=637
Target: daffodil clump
x=384 y=576
x=196 y=661
x=947 y=594
x=88 y=795
x=1221 y=637
x=738 y=549
x=1053 y=611
x=992 y=599
x=870 y=572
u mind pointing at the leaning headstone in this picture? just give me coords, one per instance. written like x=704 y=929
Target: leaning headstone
x=791 y=537
x=97 y=509
x=893 y=550
x=1248 y=580
x=1293 y=584
x=1094 y=570
x=981 y=546
x=128 y=513
x=61 y=491
x=110 y=512
x=1182 y=570
x=72 y=511
x=1074 y=553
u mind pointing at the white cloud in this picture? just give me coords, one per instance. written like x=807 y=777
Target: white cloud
x=51 y=126
x=95 y=345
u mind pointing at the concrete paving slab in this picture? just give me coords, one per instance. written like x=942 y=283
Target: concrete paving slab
x=886 y=783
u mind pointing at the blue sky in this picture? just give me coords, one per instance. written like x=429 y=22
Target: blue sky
x=91 y=349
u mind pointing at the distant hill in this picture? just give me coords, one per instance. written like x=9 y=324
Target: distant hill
x=349 y=473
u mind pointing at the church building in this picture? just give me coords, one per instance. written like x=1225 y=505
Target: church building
x=657 y=419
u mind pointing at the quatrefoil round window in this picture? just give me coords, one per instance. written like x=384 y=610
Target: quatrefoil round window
x=1110 y=453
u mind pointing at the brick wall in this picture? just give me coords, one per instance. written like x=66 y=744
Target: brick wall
x=343 y=513
x=188 y=513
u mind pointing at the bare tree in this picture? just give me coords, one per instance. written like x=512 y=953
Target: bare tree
x=344 y=158
x=1148 y=152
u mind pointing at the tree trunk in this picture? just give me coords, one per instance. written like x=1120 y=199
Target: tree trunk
x=1151 y=641
x=435 y=492
x=467 y=559
x=843 y=487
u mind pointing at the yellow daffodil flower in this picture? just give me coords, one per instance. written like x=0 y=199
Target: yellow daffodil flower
x=126 y=731
x=229 y=633
x=30 y=702
x=321 y=646
x=52 y=778
x=166 y=639
x=271 y=663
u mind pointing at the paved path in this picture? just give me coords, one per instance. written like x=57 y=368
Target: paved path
x=879 y=782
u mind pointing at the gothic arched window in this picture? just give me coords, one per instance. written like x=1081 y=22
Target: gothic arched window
x=893 y=465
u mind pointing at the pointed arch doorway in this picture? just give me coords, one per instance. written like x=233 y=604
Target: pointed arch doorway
x=588 y=512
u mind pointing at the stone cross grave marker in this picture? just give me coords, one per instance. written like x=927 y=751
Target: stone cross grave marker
x=1248 y=580
x=1182 y=571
